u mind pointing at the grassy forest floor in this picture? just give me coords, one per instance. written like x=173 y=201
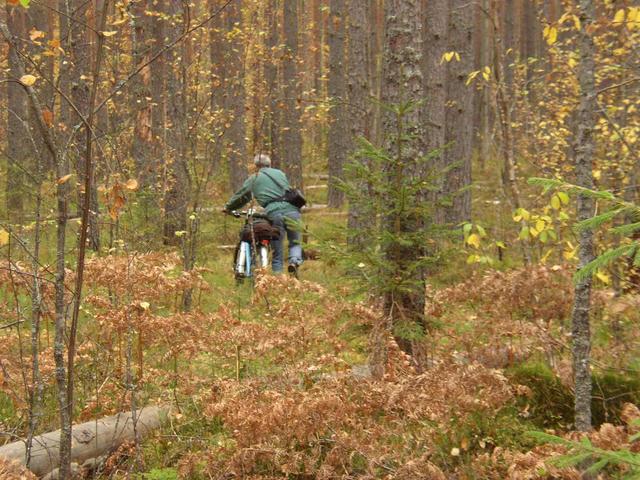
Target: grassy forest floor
x=270 y=381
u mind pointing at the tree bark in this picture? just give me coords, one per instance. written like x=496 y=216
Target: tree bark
x=158 y=105
x=584 y=148
x=338 y=131
x=142 y=145
x=80 y=73
x=17 y=152
x=403 y=83
x=290 y=132
x=176 y=195
x=359 y=110
x=436 y=25
x=273 y=119
x=236 y=98
x=92 y=439
x=459 y=115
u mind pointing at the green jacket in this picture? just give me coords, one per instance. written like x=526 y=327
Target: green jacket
x=265 y=191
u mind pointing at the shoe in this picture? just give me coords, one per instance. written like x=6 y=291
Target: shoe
x=293 y=270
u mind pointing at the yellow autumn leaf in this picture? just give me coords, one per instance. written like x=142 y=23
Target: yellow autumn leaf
x=576 y=22
x=132 y=184
x=540 y=224
x=448 y=56
x=64 y=179
x=486 y=73
x=109 y=34
x=35 y=34
x=28 y=80
x=555 y=202
x=603 y=277
x=550 y=33
x=564 y=198
x=619 y=16
x=474 y=240
x=4 y=237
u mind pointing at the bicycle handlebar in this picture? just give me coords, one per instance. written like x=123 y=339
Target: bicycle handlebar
x=247 y=213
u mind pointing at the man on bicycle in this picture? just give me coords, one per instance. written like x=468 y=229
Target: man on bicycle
x=268 y=187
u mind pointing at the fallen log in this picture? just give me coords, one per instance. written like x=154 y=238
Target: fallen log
x=89 y=440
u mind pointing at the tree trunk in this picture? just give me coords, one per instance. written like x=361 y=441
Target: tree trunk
x=216 y=65
x=80 y=73
x=403 y=83
x=43 y=21
x=273 y=119
x=176 y=195
x=236 y=98
x=17 y=123
x=584 y=149
x=158 y=100
x=459 y=115
x=337 y=142
x=142 y=145
x=359 y=109
x=290 y=132
x=92 y=439
x=436 y=24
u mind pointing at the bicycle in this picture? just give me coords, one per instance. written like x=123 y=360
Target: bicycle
x=252 y=251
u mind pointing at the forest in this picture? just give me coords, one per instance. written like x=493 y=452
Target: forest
x=458 y=295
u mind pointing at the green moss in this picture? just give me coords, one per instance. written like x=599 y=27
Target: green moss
x=610 y=392
x=550 y=403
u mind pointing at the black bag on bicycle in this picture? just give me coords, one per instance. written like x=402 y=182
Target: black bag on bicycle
x=262 y=230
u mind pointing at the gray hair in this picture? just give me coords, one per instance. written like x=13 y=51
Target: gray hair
x=262 y=160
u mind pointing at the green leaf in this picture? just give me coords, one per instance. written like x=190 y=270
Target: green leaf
x=25 y=3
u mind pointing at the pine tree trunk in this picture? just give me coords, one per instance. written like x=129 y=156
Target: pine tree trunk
x=337 y=141
x=436 y=25
x=17 y=112
x=236 y=98
x=459 y=115
x=584 y=149
x=80 y=73
x=359 y=110
x=273 y=119
x=158 y=100
x=142 y=145
x=176 y=196
x=290 y=132
x=403 y=82
x=42 y=17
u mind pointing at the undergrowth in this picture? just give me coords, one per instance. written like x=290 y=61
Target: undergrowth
x=272 y=382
